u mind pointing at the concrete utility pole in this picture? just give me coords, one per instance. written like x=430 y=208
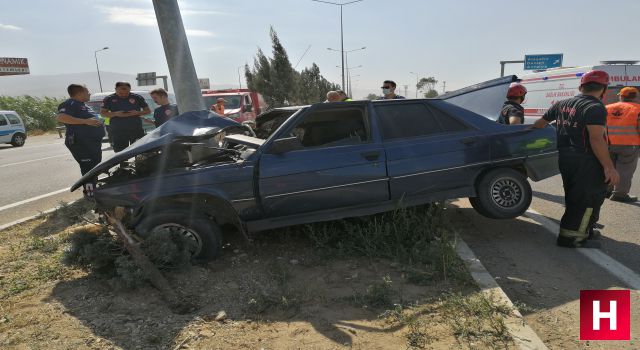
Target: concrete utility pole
x=176 y=49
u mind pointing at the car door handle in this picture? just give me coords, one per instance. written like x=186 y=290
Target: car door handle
x=371 y=156
x=469 y=140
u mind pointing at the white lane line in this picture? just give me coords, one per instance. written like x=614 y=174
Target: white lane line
x=33 y=160
x=33 y=199
x=523 y=335
x=625 y=274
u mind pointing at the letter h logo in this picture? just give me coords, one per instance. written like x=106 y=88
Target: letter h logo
x=605 y=315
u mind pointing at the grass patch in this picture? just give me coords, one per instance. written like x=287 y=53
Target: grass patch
x=417 y=237
x=478 y=318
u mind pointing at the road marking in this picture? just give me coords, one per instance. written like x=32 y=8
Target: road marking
x=523 y=335
x=625 y=274
x=33 y=160
x=33 y=199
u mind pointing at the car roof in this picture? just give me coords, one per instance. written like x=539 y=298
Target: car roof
x=8 y=112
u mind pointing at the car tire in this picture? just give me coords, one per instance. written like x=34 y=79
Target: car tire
x=206 y=234
x=18 y=139
x=502 y=194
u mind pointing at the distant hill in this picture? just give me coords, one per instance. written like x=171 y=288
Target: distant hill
x=56 y=85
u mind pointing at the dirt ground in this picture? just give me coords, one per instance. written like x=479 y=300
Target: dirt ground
x=277 y=293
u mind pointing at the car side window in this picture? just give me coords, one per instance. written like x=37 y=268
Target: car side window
x=3 y=121
x=415 y=119
x=406 y=120
x=336 y=127
x=13 y=119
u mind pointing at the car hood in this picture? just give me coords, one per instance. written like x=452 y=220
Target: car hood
x=191 y=124
x=484 y=98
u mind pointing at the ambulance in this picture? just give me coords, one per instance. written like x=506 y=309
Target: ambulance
x=552 y=85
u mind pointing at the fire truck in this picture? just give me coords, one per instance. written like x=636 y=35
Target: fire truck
x=239 y=104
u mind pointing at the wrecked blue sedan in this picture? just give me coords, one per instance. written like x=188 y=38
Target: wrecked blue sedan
x=200 y=173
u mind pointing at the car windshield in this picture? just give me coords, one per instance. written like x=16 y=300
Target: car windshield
x=230 y=101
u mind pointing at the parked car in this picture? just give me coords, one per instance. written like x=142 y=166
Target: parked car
x=12 y=129
x=199 y=172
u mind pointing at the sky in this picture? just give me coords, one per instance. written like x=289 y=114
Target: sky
x=457 y=41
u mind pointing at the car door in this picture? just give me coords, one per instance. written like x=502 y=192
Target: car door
x=430 y=153
x=5 y=134
x=338 y=164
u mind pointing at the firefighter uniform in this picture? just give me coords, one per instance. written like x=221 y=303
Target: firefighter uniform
x=125 y=130
x=84 y=141
x=511 y=109
x=582 y=174
x=623 y=132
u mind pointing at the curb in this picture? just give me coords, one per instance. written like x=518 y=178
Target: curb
x=523 y=335
x=29 y=218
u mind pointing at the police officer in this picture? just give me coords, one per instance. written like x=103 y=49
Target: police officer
x=389 y=91
x=623 y=131
x=84 y=131
x=584 y=161
x=166 y=109
x=124 y=110
x=512 y=112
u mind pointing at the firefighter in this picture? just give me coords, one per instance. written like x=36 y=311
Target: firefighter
x=84 y=131
x=623 y=132
x=583 y=158
x=512 y=112
x=166 y=110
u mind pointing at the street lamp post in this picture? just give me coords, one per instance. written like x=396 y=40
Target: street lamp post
x=341 y=30
x=417 y=81
x=348 y=88
x=95 y=55
x=346 y=62
x=239 y=82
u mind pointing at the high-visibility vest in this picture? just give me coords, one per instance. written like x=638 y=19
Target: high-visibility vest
x=622 y=124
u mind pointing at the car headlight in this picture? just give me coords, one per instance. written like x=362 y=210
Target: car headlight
x=233 y=115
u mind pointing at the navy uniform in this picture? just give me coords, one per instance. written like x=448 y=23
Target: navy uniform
x=164 y=113
x=582 y=174
x=125 y=130
x=84 y=141
x=511 y=109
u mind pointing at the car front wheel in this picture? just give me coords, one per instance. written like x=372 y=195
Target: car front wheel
x=204 y=233
x=502 y=194
x=18 y=140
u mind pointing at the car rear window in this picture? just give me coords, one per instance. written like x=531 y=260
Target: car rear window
x=414 y=119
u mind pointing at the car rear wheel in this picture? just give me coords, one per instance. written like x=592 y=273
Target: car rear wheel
x=502 y=194
x=18 y=140
x=204 y=233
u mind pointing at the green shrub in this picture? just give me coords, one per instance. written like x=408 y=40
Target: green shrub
x=37 y=113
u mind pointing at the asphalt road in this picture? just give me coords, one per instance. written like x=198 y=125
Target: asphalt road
x=41 y=173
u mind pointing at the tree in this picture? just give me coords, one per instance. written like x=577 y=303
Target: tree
x=427 y=84
x=280 y=84
x=372 y=97
x=431 y=93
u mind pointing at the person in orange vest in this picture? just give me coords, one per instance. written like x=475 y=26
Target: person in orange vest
x=623 y=131
x=219 y=106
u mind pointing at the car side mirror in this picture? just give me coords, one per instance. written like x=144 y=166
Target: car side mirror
x=285 y=145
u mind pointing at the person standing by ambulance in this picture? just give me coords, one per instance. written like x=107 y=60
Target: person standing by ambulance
x=583 y=158
x=512 y=112
x=124 y=110
x=84 y=131
x=623 y=131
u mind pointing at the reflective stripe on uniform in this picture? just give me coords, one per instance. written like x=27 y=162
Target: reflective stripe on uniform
x=581 y=233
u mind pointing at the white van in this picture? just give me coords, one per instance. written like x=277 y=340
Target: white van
x=12 y=129
x=552 y=85
x=96 y=103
